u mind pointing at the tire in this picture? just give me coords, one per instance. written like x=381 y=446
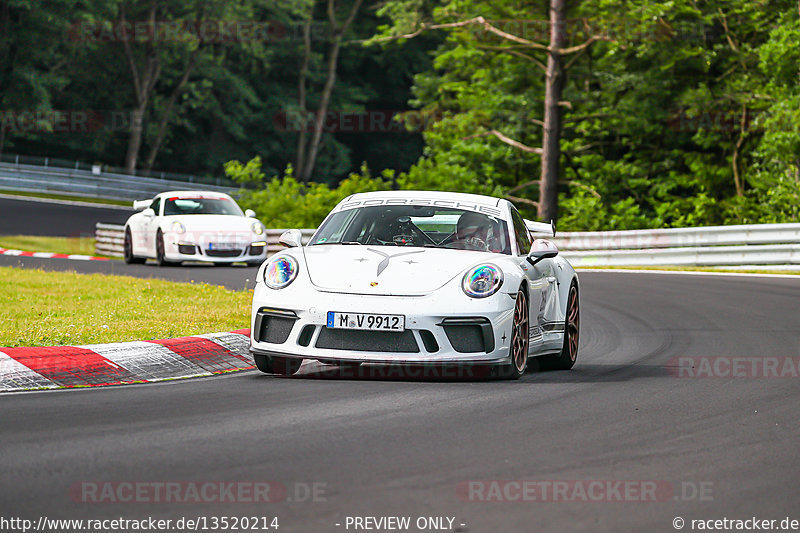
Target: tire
x=130 y=259
x=572 y=328
x=283 y=366
x=518 y=350
x=160 y=250
x=254 y=263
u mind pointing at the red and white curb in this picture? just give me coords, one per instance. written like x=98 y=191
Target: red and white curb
x=49 y=255
x=98 y=365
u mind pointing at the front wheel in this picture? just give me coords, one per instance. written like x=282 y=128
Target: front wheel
x=572 y=328
x=518 y=350
x=160 y=254
x=283 y=366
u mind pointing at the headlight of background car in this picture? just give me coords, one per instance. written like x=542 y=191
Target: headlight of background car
x=257 y=228
x=280 y=272
x=482 y=281
x=177 y=227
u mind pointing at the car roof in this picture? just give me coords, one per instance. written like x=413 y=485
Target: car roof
x=435 y=195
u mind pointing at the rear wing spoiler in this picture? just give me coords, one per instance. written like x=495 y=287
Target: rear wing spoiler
x=138 y=205
x=541 y=227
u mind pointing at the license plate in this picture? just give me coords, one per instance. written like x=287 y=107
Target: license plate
x=365 y=321
x=222 y=246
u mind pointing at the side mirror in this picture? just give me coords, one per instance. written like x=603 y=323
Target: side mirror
x=291 y=238
x=250 y=213
x=138 y=205
x=541 y=249
x=149 y=213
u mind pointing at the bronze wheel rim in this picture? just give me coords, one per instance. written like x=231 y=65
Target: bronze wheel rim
x=519 y=338
x=573 y=324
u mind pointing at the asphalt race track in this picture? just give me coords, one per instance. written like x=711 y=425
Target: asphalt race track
x=20 y=216
x=716 y=447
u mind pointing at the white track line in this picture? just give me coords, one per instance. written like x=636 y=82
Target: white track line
x=689 y=273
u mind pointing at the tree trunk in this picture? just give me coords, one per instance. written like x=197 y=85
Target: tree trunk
x=554 y=85
x=143 y=85
x=301 y=99
x=319 y=120
x=135 y=138
x=162 y=126
x=333 y=59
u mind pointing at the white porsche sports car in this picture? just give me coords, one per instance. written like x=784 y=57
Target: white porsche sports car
x=206 y=226
x=417 y=278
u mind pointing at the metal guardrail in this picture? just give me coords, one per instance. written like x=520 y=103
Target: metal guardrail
x=77 y=182
x=109 y=239
x=768 y=246
x=72 y=164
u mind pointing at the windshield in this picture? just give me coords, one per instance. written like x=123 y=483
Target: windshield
x=201 y=206
x=432 y=227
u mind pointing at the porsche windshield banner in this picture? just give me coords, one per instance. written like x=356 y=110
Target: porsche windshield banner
x=452 y=204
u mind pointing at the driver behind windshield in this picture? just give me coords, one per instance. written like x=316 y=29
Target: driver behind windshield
x=472 y=232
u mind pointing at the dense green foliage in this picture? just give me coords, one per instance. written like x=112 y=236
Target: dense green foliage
x=69 y=56
x=678 y=112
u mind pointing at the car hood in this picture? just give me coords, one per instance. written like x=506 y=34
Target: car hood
x=386 y=270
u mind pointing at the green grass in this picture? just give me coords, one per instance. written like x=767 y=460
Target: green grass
x=692 y=269
x=67 y=197
x=39 y=308
x=56 y=245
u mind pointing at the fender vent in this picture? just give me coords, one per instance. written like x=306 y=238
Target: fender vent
x=273 y=326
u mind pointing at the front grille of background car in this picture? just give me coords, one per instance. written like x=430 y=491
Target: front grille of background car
x=186 y=249
x=275 y=329
x=367 y=341
x=255 y=250
x=223 y=253
x=465 y=339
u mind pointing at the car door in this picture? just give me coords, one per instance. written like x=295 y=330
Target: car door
x=150 y=226
x=538 y=275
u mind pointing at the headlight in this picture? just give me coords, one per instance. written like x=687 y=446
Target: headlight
x=257 y=228
x=482 y=281
x=280 y=272
x=177 y=227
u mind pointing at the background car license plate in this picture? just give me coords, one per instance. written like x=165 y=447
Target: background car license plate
x=222 y=246
x=366 y=321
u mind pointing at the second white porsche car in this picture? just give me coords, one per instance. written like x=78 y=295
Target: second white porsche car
x=206 y=226
x=417 y=278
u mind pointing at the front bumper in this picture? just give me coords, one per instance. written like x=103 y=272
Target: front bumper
x=178 y=249
x=444 y=327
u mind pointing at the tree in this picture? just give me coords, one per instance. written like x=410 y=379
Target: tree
x=33 y=58
x=307 y=150
x=555 y=73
